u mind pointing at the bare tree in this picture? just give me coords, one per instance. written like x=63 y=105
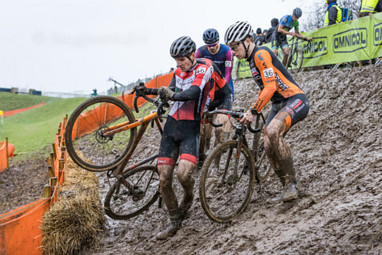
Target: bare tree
x=314 y=13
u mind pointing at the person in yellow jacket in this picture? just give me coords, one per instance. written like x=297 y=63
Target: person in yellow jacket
x=370 y=7
x=333 y=13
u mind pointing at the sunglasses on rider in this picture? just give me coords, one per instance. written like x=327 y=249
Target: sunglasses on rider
x=212 y=45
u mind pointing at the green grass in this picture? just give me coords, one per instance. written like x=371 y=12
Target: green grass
x=34 y=130
x=10 y=101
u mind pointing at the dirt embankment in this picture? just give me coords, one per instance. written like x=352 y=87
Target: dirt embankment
x=338 y=158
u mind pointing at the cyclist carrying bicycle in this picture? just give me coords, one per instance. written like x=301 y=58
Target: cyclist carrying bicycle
x=279 y=37
x=190 y=89
x=289 y=103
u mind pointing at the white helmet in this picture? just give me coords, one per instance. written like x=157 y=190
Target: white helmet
x=238 y=32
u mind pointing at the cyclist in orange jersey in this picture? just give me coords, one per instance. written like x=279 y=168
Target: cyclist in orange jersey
x=289 y=103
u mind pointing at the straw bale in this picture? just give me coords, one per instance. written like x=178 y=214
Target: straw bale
x=75 y=221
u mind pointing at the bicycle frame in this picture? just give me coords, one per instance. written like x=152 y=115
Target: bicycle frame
x=144 y=123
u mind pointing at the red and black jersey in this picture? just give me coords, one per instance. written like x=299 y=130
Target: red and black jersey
x=197 y=86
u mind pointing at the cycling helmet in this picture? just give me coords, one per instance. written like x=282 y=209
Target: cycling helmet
x=258 y=31
x=210 y=36
x=238 y=32
x=182 y=47
x=297 y=12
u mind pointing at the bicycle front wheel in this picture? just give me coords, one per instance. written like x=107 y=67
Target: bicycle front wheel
x=123 y=202
x=227 y=182
x=262 y=165
x=297 y=59
x=86 y=137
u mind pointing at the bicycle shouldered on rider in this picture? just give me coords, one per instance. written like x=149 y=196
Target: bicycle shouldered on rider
x=289 y=103
x=195 y=84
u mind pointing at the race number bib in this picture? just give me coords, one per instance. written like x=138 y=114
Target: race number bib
x=268 y=73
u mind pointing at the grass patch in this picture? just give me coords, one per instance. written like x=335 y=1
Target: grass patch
x=10 y=101
x=34 y=130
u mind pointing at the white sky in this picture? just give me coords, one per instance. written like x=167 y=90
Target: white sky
x=75 y=46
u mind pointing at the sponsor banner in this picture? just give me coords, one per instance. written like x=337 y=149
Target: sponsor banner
x=355 y=40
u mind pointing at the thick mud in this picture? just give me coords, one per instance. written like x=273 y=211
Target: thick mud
x=337 y=152
x=338 y=159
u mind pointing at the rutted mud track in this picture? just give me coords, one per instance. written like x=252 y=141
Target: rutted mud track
x=338 y=158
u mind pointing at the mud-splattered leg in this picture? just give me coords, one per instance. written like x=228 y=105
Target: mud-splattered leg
x=169 y=199
x=279 y=154
x=184 y=174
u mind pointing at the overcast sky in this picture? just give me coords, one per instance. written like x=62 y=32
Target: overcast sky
x=75 y=46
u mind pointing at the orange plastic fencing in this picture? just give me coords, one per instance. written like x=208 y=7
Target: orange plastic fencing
x=20 y=231
x=13 y=112
x=88 y=124
x=6 y=152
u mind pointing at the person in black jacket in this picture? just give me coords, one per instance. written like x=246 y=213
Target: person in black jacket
x=274 y=23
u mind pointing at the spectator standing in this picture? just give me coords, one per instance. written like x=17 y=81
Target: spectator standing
x=260 y=38
x=274 y=23
x=370 y=7
x=333 y=14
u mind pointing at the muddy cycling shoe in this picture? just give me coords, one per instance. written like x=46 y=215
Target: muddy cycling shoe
x=278 y=198
x=185 y=205
x=170 y=230
x=291 y=193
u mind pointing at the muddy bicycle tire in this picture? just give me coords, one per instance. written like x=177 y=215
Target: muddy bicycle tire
x=84 y=139
x=296 y=59
x=262 y=165
x=222 y=197
x=122 y=204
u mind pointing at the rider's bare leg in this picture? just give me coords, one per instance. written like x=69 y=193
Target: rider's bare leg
x=184 y=173
x=286 y=54
x=205 y=138
x=169 y=199
x=221 y=133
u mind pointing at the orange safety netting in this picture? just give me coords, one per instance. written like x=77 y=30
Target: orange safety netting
x=89 y=124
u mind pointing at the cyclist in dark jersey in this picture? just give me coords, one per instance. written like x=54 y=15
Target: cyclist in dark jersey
x=221 y=55
x=194 y=86
x=289 y=103
x=279 y=37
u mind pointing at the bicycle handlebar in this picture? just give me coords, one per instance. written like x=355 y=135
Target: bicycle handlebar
x=235 y=114
x=161 y=104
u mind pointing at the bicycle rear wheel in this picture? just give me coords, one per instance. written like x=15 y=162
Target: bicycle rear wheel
x=225 y=195
x=86 y=141
x=122 y=203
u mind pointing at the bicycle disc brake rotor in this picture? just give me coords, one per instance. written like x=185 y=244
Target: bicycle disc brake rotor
x=100 y=137
x=137 y=194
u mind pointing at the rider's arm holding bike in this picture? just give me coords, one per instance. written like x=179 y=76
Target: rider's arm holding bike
x=263 y=61
x=295 y=34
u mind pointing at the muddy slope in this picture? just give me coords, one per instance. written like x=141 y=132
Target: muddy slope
x=338 y=158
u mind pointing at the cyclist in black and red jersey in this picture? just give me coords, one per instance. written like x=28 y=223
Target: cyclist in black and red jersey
x=289 y=103
x=195 y=84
